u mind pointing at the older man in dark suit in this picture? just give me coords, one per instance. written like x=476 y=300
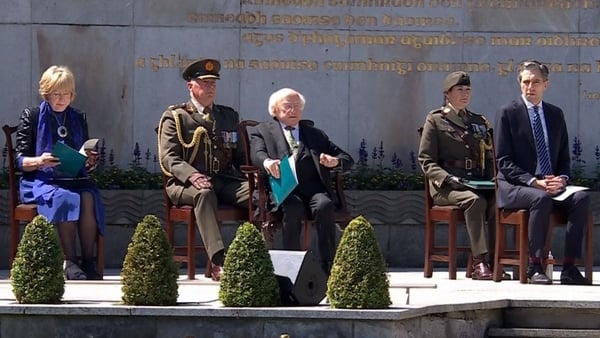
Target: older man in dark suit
x=532 y=151
x=315 y=155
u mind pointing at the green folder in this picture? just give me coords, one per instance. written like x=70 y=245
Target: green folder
x=281 y=187
x=71 y=160
x=476 y=184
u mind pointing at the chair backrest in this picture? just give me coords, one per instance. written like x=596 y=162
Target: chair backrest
x=13 y=174
x=255 y=180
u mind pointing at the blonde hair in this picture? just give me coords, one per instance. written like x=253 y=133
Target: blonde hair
x=57 y=78
x=281 y=94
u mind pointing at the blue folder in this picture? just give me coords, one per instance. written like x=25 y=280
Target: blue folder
x=281 y=187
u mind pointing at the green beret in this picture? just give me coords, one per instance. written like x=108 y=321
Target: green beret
x=202 y=69
x=456 y=79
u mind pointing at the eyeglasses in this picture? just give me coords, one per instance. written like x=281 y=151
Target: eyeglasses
x=289 y=106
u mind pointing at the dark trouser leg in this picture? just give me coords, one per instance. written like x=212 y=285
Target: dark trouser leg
x=293 y=216
x=322 y=208
x=577 y=207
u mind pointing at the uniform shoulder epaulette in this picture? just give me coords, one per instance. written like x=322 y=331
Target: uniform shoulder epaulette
x=177 y=106
x=486 y=121
x=438 y=111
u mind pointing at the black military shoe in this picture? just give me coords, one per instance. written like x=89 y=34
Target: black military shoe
x=570 y=275
x=535 y=275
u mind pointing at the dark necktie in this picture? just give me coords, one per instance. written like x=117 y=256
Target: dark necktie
x=207 y=114
x=540 y=144
x=289 y=136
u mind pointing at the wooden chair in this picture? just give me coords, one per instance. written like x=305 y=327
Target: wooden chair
x=20 y=212
x=258 y=188
x=518 y=255
x=451 y=215
x=185 y=214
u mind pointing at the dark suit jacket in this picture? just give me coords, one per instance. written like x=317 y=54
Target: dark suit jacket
x=268 y=142
x=515 y=146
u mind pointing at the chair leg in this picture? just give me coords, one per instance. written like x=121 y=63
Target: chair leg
x=14 y=240
x=191 y=250
x=429 y=241
x=523 y=249
x=452 y=248
x=499 y=250
x=469 y=266
x=307 y=235
x=589 y=248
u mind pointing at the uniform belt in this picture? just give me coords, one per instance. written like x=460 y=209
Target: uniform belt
x=467 y=164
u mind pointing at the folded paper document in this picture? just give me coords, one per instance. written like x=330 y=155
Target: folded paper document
x=476 y=184
x=71 y=160
x=569 y=190
x=281 y=187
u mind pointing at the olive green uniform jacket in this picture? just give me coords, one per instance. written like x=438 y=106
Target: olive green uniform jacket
x=452 y=145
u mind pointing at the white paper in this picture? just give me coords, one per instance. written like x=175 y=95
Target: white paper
x=569 y=190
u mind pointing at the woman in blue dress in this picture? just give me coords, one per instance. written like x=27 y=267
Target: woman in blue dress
x=72 y=204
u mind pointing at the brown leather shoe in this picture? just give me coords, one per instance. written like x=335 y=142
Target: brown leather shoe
x=215 y=273
x=481 y=271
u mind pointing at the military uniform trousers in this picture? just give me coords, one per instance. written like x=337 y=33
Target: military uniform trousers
x=205 y=201
x=479 y=206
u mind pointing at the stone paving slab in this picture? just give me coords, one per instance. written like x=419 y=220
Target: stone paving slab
x=437 y=291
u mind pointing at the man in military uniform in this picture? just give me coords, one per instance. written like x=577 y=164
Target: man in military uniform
x=456 y=145
x=199 y=152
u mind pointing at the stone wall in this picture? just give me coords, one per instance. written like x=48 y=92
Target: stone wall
x=370 y=69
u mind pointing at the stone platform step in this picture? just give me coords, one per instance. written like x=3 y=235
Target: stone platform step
x=545 y=333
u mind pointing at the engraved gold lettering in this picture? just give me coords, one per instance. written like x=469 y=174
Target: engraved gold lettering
x=234 y=64
x=590 y=95
x=564 y=40
x=445 y=3
x=505 y=68
x=352 y=20
x=377 y=3
x=308 y=20
x=579 y=67
x=246 y=18
x=511 y=41
x=397 y=66
x=311 y=65
x=297 y=3
x=423 y=21
x=258 y=39
x=140 y=62
x=451 y=67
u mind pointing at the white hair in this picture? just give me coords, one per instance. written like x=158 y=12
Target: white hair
x=281 y=94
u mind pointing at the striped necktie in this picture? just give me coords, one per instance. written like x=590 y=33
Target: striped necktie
x=544 y=165
x=289 y=136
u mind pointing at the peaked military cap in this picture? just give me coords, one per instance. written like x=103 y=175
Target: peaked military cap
x=202 y=69
x=456 y=79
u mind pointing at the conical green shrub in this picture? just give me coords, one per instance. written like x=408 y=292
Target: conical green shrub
x=248 y=275
x=358 y=278
x=149 y=274
x=37 y=274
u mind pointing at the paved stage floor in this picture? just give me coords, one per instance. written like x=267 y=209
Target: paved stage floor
x=438 y=290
